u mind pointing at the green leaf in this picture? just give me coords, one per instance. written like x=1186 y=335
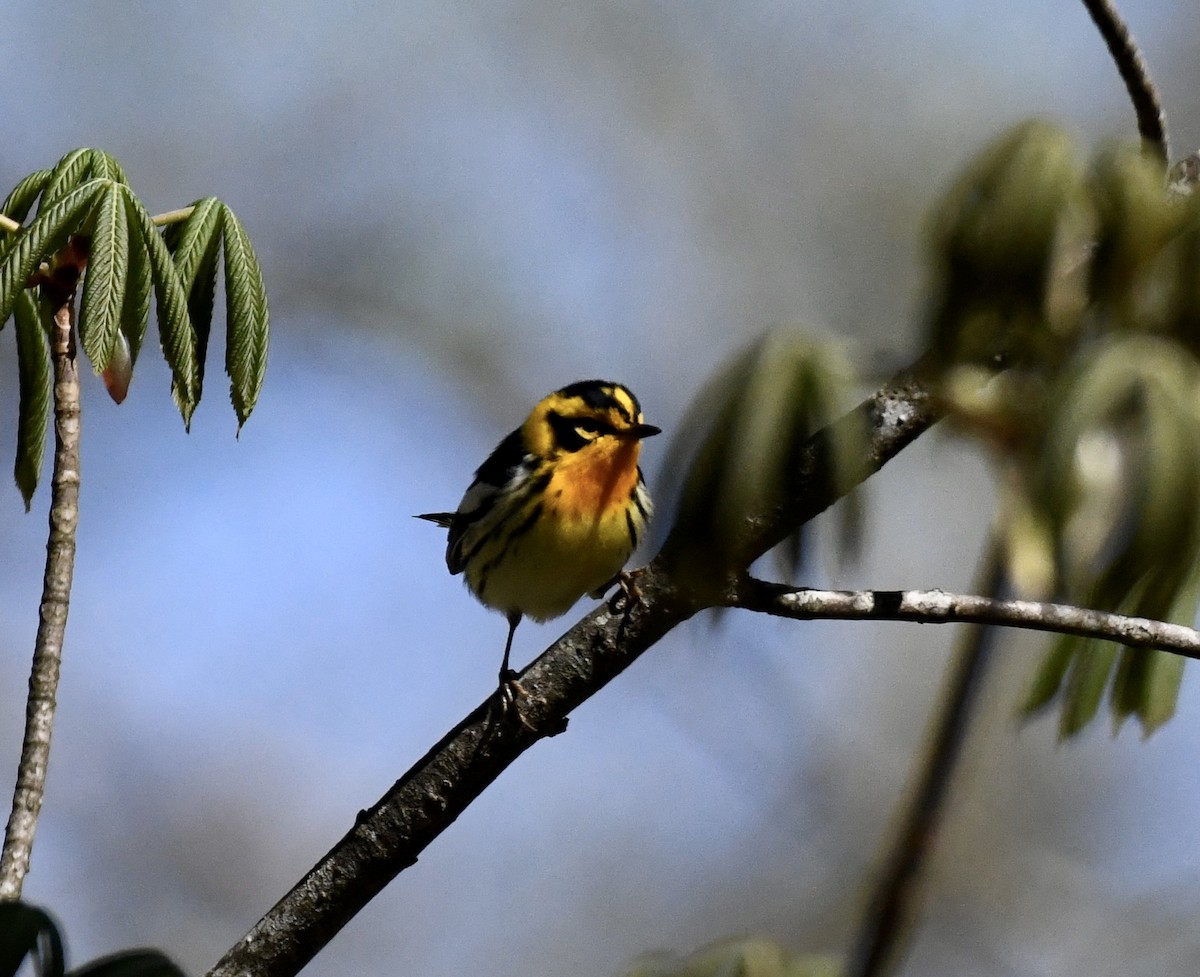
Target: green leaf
x=1049 y=676
x=28 y=931
x=1160 y=690
x=70 y=172
x=131 y=963
x=35 y=389
x=20 y=199
x=1086 y=681
x=43 y=238
x=246 y=318
x=175 y=330
x=104 y=282
x=195 y=244
x=139 y=286
x=106 y=167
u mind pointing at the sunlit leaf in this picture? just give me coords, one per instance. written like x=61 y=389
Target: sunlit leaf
x=69 y=172
x=19 y=201
x=104 y=282
x=139 y=287
x=246 y=318
x=175 y=330
x=42 y=239
x=195 y=244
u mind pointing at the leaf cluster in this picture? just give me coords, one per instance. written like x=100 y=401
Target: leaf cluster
x=88 y=226
x=1085 y=283
x=751 y=422
x=753 y=956
x=29 y=932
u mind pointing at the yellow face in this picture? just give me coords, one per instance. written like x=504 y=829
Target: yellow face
x=592 y=431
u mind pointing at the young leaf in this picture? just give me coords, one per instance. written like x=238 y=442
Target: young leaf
x=17 y=204
x=246 y=318
x=175 y=330
x=194 y=243
x=106 y=167
x=105 y=280
x=138 y=287
x=35 y=387
x=70 y=172
x=41 y=239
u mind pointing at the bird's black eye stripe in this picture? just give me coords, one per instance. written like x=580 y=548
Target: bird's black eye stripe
x=567 y=429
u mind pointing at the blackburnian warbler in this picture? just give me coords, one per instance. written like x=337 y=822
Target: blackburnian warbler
x=556 y=509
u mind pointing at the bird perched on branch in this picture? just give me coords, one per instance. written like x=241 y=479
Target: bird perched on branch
x=555 y=510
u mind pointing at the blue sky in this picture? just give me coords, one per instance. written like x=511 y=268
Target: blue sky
x=460 y=208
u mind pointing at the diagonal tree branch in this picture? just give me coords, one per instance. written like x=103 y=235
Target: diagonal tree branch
x=391 y=835
x=939 y=607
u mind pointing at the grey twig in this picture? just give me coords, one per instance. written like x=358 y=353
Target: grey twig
x=1151 y=119
x=939 y=607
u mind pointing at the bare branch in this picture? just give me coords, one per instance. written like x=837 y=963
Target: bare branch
x=939 y=607
x=52 y=623
x=1151 y=119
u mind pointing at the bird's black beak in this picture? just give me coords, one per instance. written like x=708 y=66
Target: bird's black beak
x=640 y=431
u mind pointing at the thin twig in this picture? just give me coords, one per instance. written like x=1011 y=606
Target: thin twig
x=891 y=913
x=52 y=623
x=1151 y=119
x=437 y=789
x=939 y=607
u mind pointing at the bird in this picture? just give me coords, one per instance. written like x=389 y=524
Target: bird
x=556 y=509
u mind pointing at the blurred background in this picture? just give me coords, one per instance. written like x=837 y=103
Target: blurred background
x=460 y=207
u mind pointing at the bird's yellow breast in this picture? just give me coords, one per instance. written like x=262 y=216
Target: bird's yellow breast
x=579 y=540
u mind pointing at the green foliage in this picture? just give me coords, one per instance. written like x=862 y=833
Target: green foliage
x=1091 y=298
x=753 y=956
x=89 y=222
x=35 y=389
x=753 y=421
x=27 y=931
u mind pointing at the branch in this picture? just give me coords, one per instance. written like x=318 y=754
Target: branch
x=939 y=607
x=1151 y=119
x=56 y=596
x=391 y=835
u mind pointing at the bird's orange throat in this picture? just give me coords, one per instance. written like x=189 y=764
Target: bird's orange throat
x=592 y=484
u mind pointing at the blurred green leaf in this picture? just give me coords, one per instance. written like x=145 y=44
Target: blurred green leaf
x=35 y=387
x=131 y=963
x=26 y=931
x=997 y=237
x=746 y=432
x=754 y=956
